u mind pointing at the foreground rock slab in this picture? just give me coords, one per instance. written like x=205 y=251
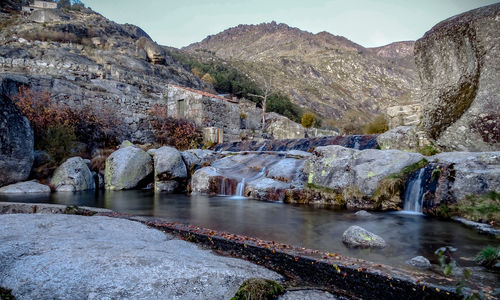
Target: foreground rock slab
x=26 y=187
x=77 y=257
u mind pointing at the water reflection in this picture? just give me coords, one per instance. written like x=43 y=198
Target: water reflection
x=305 y=226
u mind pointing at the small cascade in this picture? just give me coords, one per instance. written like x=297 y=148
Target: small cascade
x=240 y=188
x=414 y=193
x=356 y=142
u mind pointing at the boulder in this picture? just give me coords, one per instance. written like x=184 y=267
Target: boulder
x=362 y=213
x=126 y=168
x=169 y=168
x=154 y=52
x=281 y=127
x=73 y=175
x=16 y=137
x=457 y=61
x=401 y=138
x=26 y=187
x=467 y=173
x=339 y=168
x=419 y=262
x=358 y=237
x=201 y=180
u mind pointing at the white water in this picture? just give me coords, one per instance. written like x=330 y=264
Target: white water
x=240 y=188
x=414 y=193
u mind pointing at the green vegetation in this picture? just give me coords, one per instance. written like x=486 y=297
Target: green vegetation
x=428 y=150
x=480 y=208
x=308 y=119
x=258 y=289
x=6 y=294
x=488 y=257
x=378 y=125
x=229 y=80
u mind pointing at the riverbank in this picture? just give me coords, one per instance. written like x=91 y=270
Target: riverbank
x=348 y=276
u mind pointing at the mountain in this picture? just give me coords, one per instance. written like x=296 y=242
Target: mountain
x=85 y=60
x=327 y=74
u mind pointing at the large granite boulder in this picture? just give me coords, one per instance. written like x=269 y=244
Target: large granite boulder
x=401 y=138
x=16 y=137
x=72 y=176
x=27 y=187
x=48 y=15
x=61 y=256
x=458 y=63
x=358 y=237
x=126 y=168
x=466 y=173
x=281 y=127
x=154 y=53
x=340 y=168
x=169 y=168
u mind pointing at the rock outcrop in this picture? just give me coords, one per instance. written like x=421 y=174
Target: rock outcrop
x=16 y=137
x=105 y=258
x=154 y=53
x=341 y=169
x=72 y=176
x=126 y=168
x=358 y=237
x=27 y=187
x=169 y=169
x=457 y=61
x=404 y=138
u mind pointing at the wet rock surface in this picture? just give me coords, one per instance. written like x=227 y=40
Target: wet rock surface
x=61 y=256
x=307 y=144
x=419 y=262
x=72 y=176
x=358 y=237
x=457 y=61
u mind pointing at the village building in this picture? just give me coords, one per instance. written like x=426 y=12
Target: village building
x=224 y=119
x=39 y=5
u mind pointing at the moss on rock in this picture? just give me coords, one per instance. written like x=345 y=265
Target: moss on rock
x=258 y=289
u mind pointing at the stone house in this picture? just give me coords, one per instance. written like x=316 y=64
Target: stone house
x=39 y=5
x=233 y=116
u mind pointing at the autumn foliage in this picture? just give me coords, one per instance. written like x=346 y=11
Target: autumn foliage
x=57 y=128
x=175 y=132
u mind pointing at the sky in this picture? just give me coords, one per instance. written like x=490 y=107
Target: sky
x=370 y=23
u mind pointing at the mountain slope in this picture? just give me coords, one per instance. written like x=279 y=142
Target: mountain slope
x=327 y=74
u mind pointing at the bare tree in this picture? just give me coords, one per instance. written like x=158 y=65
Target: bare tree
x=266 y=82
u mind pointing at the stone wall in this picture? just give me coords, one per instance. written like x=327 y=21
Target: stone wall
x=208 y=110
x=404 y=115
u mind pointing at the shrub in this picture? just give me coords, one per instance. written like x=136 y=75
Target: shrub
x=208 y=79
x=308 y=120
x=428 y=150
x=57 y=128
x=378 y=125
x=282 y=105
x=180 y=133
x=480 y=208
x=488 y=257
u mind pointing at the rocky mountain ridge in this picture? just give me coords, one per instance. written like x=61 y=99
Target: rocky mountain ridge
x=327 y=74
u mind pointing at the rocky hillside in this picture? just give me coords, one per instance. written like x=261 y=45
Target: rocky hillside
x=81 y=58
x=327 y=74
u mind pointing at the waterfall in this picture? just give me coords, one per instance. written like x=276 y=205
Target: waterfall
x=240 y=188
x=414 y=192
x=356 y=142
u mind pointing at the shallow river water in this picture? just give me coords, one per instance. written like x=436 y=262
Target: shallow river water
x=305 y=226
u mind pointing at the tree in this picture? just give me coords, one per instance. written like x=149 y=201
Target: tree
x=308 y=120
x=266 y=92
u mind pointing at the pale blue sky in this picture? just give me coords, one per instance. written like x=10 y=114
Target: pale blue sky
x=369 y=23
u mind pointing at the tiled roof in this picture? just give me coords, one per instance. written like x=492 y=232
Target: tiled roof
x=204 y=93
